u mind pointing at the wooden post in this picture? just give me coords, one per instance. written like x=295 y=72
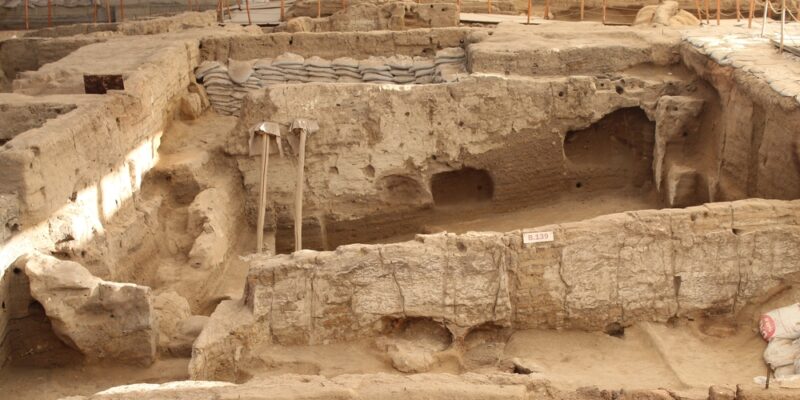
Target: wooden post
x=783 y=22
x=122 y=10
x=94 y=11
x=583 y=7
x=489 y=6
x=319 y=8
x=108 y=10
x=764 y=22
x=605 y=4
x=298 y=192
x=546 y=9
x=228 y=6
x=247 y=5
x=530 y=6
x=738 y=10
x=699 y=11
x=708 y=14
x=49 y=13
x=719 y=10
x=262 y=194
x=283 y=16
x=752 y=13
x=27 y=22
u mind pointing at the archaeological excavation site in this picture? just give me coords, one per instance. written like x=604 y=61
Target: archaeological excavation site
x=387 y=199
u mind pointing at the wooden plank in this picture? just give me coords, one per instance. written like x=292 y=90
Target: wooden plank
x=497 y=18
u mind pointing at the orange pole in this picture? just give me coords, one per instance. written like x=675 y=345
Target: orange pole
x=751 y=14
x=108 y=10
x=49 y=13
x=699 y=12
x=583 y=6
x=605 y=4
x=319 y=8
x=122 y=10
x=530 y=5
x=718 y=12
x=546 y=9
x=27 y=22
x=247 y=4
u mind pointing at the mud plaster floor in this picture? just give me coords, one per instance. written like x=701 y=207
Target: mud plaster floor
x=648 y=356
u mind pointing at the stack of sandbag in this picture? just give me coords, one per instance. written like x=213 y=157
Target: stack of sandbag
x=374 y=69
x=320 y=70
x=346 y=70
x=293 y=67
x=401 y=69
x=219 y=87
x=449 y=62
x=267 y=73
x=781 y=328
x=423 y=70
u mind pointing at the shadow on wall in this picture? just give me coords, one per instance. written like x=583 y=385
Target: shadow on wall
x=466 y=185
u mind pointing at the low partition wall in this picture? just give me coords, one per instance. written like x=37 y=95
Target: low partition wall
x=621 y=269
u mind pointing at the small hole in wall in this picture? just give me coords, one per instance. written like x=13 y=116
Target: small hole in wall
x=17 y=270
x=14 y=227
x=560 y=94
x=73 y=196
x=369 y=171
x=461 y=123
x=620 y=90
x=407 y=113
x=432 y=6
x=685 y=134
x=693 y=217
x=736 y=231
x=4 y=305
x=433 y=157
x=334 y=170
x=578 y=185
x=615 y=329
x=291 y=40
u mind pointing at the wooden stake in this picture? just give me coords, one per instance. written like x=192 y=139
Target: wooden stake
x=49 y=13
x=764 y=22
x=783 y=22
x=298 y=193
x=283 y=15
x=583 y=7
x=605 y=4
x=738 y=10
x=719 y=10
x=247 y=5
x=122 y=10
x=752 y=13
x=262 y=193
x=108 y=10
x=546 y=9
x=27 y=21
x=530 y=6
x=489 y=6
x=319 y=8
x=699 y=12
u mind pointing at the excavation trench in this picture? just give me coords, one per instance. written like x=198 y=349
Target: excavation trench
x=463 y=212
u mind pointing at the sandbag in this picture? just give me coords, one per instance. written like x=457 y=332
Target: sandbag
x=781 y=323
x=782 y=352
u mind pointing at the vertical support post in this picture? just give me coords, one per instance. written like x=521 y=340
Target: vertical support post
x=699 y=11
x=262 y=194
x=752 y=12
x=546 y=9
x=530 y=6
x=122 y=10
x=783 y=22
x=738 y=10
x=605 y=4
x=719 y=11
x=298 y=193
x=708 y=14
x=489 y=6
x=283 y=15
x=49 y=13
x=247 y=5
x=583 y=8
x=108 y=10
x=227 y=6
x=764 y=21
x=27 y=21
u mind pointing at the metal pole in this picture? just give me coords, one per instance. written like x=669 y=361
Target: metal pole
x=298 y=193
x=546 y=9
x=583 y=7
x=247 y=4
x=718 y=11
x=530 y=5
x=699 y=12
x=262 y=193
x=783 y=22
x=764 y=21
x=738 y=10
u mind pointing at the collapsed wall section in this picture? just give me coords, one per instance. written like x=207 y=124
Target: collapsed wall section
x=616 y=269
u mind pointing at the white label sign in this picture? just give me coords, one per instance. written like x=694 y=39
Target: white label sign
x=537 y=237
